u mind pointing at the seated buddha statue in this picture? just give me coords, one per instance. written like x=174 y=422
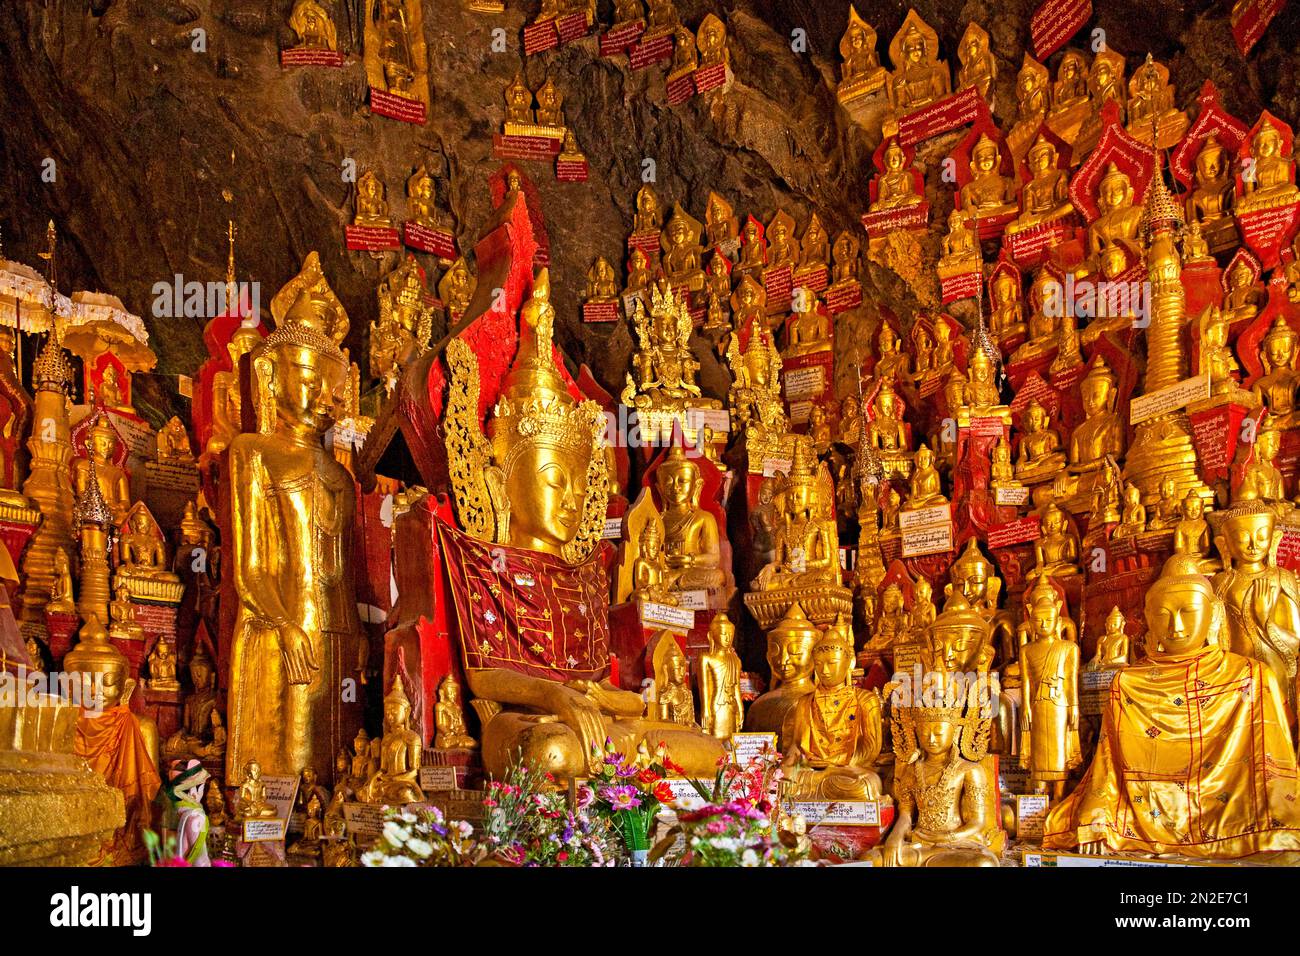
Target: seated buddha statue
x=921 y=77
x=121 y=612
x=860 y=71
x=1100 y=435
x=114 y=485
x=397 y=779
x=892 y=625
x=141 y=550
x=682 y=251
x=1046 y=196
x=720 y=223
x=1167 y=509
x=748 y=303
x=1113 y=645
x=989 y=193
x=814 y=246
x=1210 y=203
x=456 y=287
x=1272 y=182
x=313 y=26
x=1133 y=516
x=162 y=667
x=253 y=803
x=638 y=272
x=845 y=252
x=1241 y=300
x=782 y=247
x=62 y=600
x=806 y=542
x=550 y=106
x=543 y=470
x=1008 y=318
x=981 y=397
x=647 y=217
x=661 y=17
x=372 y=207
x=1056 y=552
x=1033 y=97
x=196 y=723
x=449 y=718
x=602 y=284
x=1152 y=116
x=1276 y=388
x=519 y=103
x=925 y=490
x=790 y=656
x=960 y=247
x=753 y=249
x=1001 y=471
x=665 y=368
x=978 y=68
x=1040 y=446
x=1192 y=532
x=887 y=434
x=891 y=360
x=1206 y=700
x=835 y=733
x=1113 y=236
x=650 y=569
x=120 y=745
x=692 y=549
x=1044 y=327
x=174 y=443
x=809 y=331
x=421 y=200
x=1215 y=356
x=1071 y=103
x=896 y=184
x=943 y=346
x=1260 y=477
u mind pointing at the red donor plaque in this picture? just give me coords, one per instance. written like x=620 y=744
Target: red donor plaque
x=649 y=52
x=1013 y=532
x=841 y=298
x=778 y=283
x=540 y=37
x=439 y=242
x=600 y=312
x=403 y=108
x=680 y=88
x=619 y=38
x=573 y=26
x=710 y=77
x=1288 y=550
x=956 y=110
x=372 y=239
x=527 y=148
x=1029 y=246
x=881 y=224
x=1265 y=231
x=571 y=170
x=1249 y=24
x=331 y=58
x=814 y=279
x=963 y=286
x=647 y=242
x=1055 y=22
x=1215 y=432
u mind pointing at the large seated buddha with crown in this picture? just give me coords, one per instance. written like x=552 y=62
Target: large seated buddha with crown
x=528 y=583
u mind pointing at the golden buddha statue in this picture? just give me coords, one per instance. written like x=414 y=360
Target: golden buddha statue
x=405 y=323
x=162 y=667
x=846 y=253
x=550 y=105
x=647 y=217
x=420 y=198
x=919 y=77
x=142 y=552
x=790 y=656
x=1237 y=797
x=1113 y=240
x=686 y=56
x=661 y=17
x=891 y=360
x=861 y=72
x=313 y=26
x=961 y=253
x=1056 y=552
x=569 y=150
x=1033 y=97
x=1192 y=532
x=755 y=396
x=978 y=68
x=720 y=221
x=638 y=272
x=252 y=804
x=296 y=627
x=100 y=465
x=121 y=612
x=712 y=41
x=835 y=733
x=1241 y=300
x=1276 y=389
x=395 y=48
x=1167 y=510
x=988 y=193
x=892 y=625
x=925 y=489
x=118 y=744
x=1049 y=666
x=1041 y=457
x=1008 y=318
x=814 y=247
x=174 y=443
x=1100 y=435
x=721 y=710
x=974 y=578
x=748 y=303
x=602 y=284
x=887 y=434
x=806 y=541
x=674 y=702
x=110 y=391
x=782 y=246
x=1106 y=80
x=1001 y=470
x=665 y=368
x=1215 y=356
x=809 y=330
x=398 y=778
x=1262 y=599
x=1133 y=517
x=226 y=400
x=692 y=549
x=1260 y=477
x=1113 y=645
x=682 y=250
x=196 y=712
x=519 y=103
x=896 y=184
x=1210 y=203
x=1152 y=116
x=753 y=249
x=61 y=597
x=1046 y=196
x=649 y=566
x=981 y=397
x=456 y=287
x=449 y=718
x=372 y=207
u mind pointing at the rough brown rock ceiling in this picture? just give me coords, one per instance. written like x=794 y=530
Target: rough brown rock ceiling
x=141 y=129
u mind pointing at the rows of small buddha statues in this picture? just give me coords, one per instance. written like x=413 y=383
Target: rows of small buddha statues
x=1034 y=539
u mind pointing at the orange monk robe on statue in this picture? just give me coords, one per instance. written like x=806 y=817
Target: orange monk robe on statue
x=115 y=748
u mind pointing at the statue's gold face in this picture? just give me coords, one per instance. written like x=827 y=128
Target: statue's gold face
x=1280 y=350
x=1266 y=145
x=723 y=631
x=546 y=494
x=1043 y=616
x=914 y=50
x=396 y=713
x=677 y=484
x=832 y=663
x=935 y=736
x=1249 y=537
x=1115 y=194
x=1268 y=444
x=102 y=445
x=789 y=654
x=1179 y=616
x=1096 y=396
x=986 y=157
x=307 y=392
x=955 y=648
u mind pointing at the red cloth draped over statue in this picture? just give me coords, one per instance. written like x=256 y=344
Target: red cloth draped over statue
x=525 y=611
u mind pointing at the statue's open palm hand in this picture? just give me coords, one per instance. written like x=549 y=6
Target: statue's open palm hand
x=300 y=662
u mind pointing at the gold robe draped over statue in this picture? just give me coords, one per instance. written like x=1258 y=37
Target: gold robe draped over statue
x=1194 y=759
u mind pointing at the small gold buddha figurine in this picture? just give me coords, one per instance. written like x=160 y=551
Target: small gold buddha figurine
x=1041 y=457
x=449 y=718
x=372 y=207
x=1056 y=553
x=981 y=397
x=1191 y=680
x=988 y=193
x=226 y=399
x=789 y=654
x=978 y=67
x=602 y=284
x=674 y=702
x=638 y=272
x=1152 y=116
x=102 y=450
x=1033 y=97
x=456 y=287
x=806 y=542
x=682 y=250
x=569 y=151
x=61 y=597
x=142 y=550
x=1276 y=389
x=753 y=249
x=214 y=802
x=721 y=711
x=1113 y=236
x=925 y=490
x=252 y=803
x=121 y=614
x=1102 y=432
x=162 y=667
x=1133 y=518
x=1215 y=356
x=398 y=777
x=1168 y=507
x=1106 y=79
x=891 y=360
x=313 y=26
x=887 y=434
x=1210 y=204
x=647 y=217
x=974 y=578
x=861 y=72
x=712 y=41
x=1001 y=470
x=1047 y=195
x=1071 y=103
x=405 y=322
x=1241 y=300
x=896 y=184
x=1192 y=533
x=1113 y=646
x=200 y=703
x=692 y=539
x=892 y=625
x=649 y=568
x=919 y=77
x=719 y=278
x=1260 y=478
x=836 y=730
x=1049 y=667
x=550 y=106
x=661 y=17
x=110 y=390
x=809 y=331
x=420 y=198
x=720 y=221
x=814 y=247
x=174 y=443
x=846 y=253
x=961 y=252
x=519 y=103
x=782 y=246
x=1008 y=318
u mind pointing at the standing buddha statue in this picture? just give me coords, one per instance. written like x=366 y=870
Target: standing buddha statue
x=721 y=710
x=1049 y=667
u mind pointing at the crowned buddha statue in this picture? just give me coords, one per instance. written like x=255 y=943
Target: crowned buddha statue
x=1133 y=516
x=665 y=369
x=118 y=744
x=896 y=184
x=1046 y=197
x=919 y=77
x=925 y=489
x=790 y=656
x=860 y=71
x=372 y=207
x=1041 y=457
x=682 y=250
x=99 y=464
x=1152 y=117
x=1210 y=203
x=674 y=702
x=1276 y=388
x=806 y=541
x=405 y=322
x=536 y=485
x=449 y=718
x=1071 y=103
x=1113 y=236
x=692 y=540
x=1049 y=669
x=1236 y=797
x=1056 y=552
x=295 y=629
x=721 y=709
x=397 y=779
x=835 y=733
x=1260 y=476
x=989 y=193
x=1262 y=600
x=978 y=67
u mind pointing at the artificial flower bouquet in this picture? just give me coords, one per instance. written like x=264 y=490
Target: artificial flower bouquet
x=629 y=793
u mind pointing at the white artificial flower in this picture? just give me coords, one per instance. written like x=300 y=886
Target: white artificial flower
x=419 y=847
x=749 y=858
x=399 y=861
x=372 y=858
x=395 y=833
